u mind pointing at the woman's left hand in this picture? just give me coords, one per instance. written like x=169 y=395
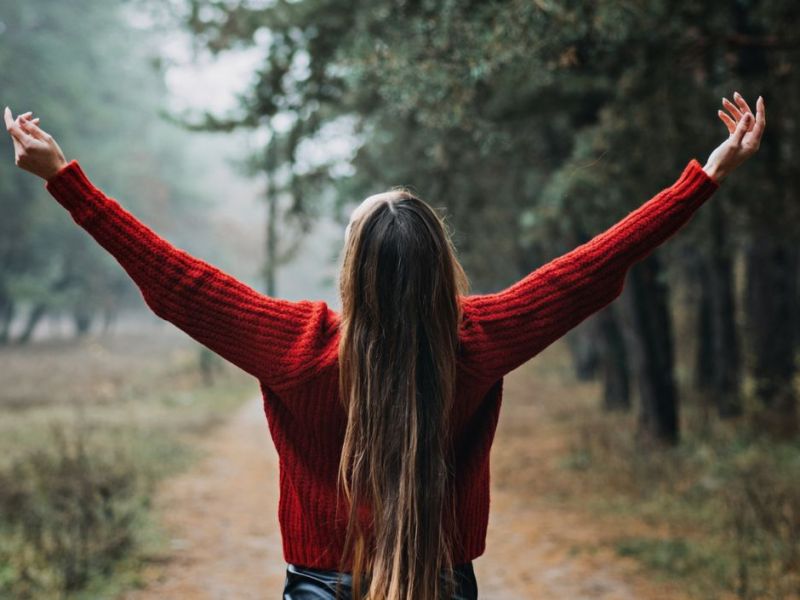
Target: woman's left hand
x=35 y=150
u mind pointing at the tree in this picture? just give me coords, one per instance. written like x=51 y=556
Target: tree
x=529 y=121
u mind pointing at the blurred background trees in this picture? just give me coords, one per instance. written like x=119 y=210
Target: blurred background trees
x=95 y=76
x=535 y=125
x=532 y=125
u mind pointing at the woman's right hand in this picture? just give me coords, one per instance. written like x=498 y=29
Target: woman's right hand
x=35 y=150
x=744 y=139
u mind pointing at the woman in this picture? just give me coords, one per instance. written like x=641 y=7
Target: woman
x=383 y=415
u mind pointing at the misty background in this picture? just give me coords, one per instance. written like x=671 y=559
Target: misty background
x=652 y=452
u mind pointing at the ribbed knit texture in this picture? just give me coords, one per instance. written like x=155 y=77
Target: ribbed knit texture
x=291 y=346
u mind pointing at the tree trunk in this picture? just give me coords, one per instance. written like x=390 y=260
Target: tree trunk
x=717 y=362
x=82 y=320
x=109 y=316
x=6 y=318
x=726 y=383
x=582 y=343
x=704 y=359
x=797 y=304
x=613 y=358
x=770 y=304
x=271 y=237
x=705 y=363
x=649 y=338
x=36 y=314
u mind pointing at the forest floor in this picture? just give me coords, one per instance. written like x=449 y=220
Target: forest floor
x=221 y=515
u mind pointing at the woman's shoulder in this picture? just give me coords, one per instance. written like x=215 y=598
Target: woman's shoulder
x=316 y=349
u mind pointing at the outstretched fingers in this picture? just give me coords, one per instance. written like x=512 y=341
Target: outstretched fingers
x=761 y=121
x=33 y=129
x=729 y=123
x=741 y=103
x=14 y=128
x=9 y=120
x=733 y=109
x=28 y=118
x=741 y=129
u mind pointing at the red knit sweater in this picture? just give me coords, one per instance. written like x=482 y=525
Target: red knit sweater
x=291 y=347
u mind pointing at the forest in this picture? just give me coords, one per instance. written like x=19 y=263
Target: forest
x=533 y=126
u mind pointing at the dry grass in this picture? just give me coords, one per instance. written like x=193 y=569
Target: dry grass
x=719 y=514
x=87 y=430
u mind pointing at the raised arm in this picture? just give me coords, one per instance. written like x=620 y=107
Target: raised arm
x=275 y=340
x=503 y=330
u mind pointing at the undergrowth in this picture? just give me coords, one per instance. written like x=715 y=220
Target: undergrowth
x=728 y=498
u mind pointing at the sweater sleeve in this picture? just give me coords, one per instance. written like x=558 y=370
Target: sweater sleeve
x=503 y=330
x=275 y=340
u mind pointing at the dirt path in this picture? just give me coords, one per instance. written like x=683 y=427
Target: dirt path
x=535 y=549
x=222 y=517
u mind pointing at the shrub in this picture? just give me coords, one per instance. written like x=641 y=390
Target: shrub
x=68 y=511
x=763 y=523
x=729 y=500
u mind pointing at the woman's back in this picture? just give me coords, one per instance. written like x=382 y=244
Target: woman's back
x=292 y=348
x=308 y=422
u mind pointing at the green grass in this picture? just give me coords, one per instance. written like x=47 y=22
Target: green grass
x=676 y=557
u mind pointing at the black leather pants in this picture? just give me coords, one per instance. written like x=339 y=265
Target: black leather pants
x=303 y=583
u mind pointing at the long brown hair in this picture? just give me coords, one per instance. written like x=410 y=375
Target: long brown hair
x=400 y=284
